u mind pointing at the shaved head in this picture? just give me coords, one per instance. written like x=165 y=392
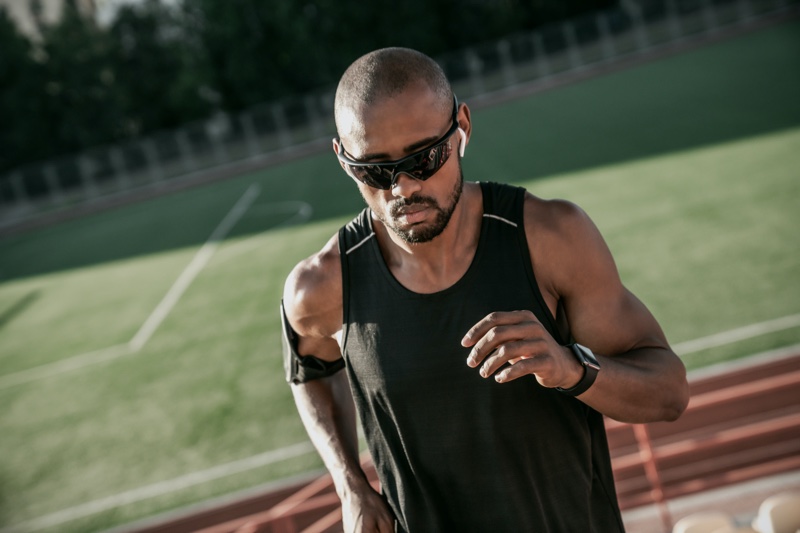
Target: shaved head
x=382 y=74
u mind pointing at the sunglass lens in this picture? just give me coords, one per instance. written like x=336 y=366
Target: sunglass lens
x=374 y=176
x=428 y=163
x=420 y=166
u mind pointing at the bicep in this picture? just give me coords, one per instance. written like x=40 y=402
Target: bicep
x=612 y=320
x=323 y=348
x=312 y=300
x=602 y=313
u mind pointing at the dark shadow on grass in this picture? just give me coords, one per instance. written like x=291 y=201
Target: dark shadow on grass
x=736 y=89
x=18 y=307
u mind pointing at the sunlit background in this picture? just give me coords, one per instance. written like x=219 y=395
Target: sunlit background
x=163 y=165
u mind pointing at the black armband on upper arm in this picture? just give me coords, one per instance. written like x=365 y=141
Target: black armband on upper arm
x=302 y=368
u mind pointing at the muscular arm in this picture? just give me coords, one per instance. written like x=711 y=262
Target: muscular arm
x=641 y=378
x=327 y=411
x=313 y=302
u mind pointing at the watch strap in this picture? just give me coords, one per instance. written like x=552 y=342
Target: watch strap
x=589 y=373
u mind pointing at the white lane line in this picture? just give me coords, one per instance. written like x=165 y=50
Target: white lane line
x=65 y=365
x=191 y=271
x=738 y=334
x=158 y=315
x=301 y=212
x=164 y=487
x=227 y=469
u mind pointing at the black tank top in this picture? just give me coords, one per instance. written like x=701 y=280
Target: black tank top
x=454 y=451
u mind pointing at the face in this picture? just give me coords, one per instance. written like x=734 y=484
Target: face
x=419 y=218
x=414 y=210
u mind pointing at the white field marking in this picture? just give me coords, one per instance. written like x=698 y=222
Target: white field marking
x=227 y=469
x=287 y=206
x=302 y=212
x=65 y=365
x=738 y=334
x=193 y=269
x=156 y=317
x=163 y=487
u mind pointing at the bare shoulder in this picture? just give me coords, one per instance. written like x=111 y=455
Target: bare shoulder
x=555 y=218
x=566 y=247
x=312 y=294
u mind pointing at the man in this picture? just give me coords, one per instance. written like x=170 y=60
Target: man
x=455 y=308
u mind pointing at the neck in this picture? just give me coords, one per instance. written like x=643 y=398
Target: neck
x=437 y=264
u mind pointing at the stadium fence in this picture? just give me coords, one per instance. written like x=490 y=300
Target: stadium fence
x=303 y=122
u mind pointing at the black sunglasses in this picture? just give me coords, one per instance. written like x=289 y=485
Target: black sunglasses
x=420 y=165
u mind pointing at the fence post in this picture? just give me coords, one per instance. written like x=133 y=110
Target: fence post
x=745 y=10
x=249 y=129
x=509 y=74
x=153 y=162
x=609 y=50
x=20 y=195
x=475 y=67
x=313 y=116
x=542 y=63
x=120 y=172
x=675 y=26
x=709 y=17
x=575 y=59
x=85 y=167
x=185 y=148
x=635 y=12
x=284 y=135
x=215 y=129
x=648 y=457
x=53 y=188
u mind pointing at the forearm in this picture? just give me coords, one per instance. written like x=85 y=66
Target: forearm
x=643 y=385
x=327 y=411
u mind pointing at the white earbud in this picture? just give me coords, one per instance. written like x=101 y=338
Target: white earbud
x=463 y=143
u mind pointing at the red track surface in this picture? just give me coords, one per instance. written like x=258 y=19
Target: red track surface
x=740 y=425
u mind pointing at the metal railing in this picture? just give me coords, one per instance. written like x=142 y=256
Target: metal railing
x=273 y=128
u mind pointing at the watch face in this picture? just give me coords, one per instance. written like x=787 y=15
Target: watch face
x=588 y=357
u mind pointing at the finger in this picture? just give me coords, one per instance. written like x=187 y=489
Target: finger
x=525 y=367
x=491 y=341
x=512 y=351
x=527 y=328
x=488 y=322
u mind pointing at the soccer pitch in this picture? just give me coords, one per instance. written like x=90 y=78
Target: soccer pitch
x=140 y=347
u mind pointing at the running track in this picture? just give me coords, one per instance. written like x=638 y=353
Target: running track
x=742 y=423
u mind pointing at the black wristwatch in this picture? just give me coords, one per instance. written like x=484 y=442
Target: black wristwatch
x=590 y=369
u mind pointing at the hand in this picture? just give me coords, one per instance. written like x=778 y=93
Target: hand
x=518 y=338
x=365 y=511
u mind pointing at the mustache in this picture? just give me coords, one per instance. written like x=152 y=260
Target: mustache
x=396 y=207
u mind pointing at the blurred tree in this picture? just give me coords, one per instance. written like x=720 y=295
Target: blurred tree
x=21 y=82
x=535 y=13
x=158 y=66
x=83 y=85
x=260 y=51
x=81 y=102
x=161 y=75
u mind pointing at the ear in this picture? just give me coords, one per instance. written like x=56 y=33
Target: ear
x=337 y=145
x=464 y=127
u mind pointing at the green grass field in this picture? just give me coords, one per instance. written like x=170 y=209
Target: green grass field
x=689 y=165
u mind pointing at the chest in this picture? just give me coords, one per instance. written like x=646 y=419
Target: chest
x=404 y=342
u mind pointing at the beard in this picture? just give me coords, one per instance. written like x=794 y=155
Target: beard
x=417 y=234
